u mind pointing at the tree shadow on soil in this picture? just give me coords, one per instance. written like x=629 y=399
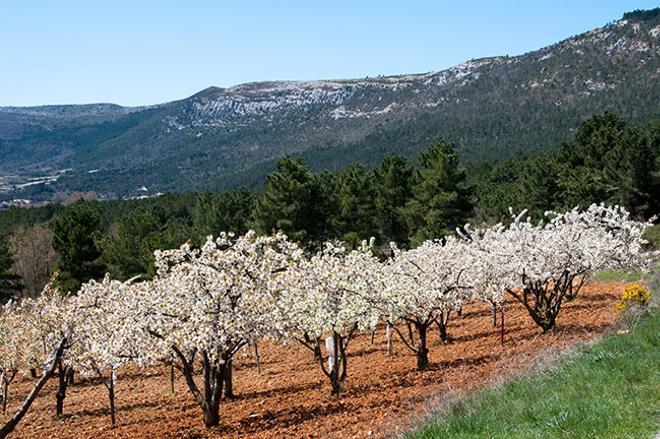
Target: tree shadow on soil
x=284 y=418
x=288 y=390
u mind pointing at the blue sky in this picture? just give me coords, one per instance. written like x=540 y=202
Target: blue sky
x=145 y=52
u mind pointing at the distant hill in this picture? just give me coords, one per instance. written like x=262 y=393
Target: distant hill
x=219 y=138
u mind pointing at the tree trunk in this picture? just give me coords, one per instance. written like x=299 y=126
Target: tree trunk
x=229 y=385
x=502 y=324
x=333 y=360
x=388 y=334
x=213 y=381
x=543 y=299
x=336 y=371
x=336 y=386
x=111 y=396
x=494 y=314
x=61 y=389
x=71 y=376
x=7 y=378
x=442 y=331
x=332 y=353
x=411 y=337
x=13 y=422
x=33 y=373
x=257 y=359
x=172 y=376
x=5 y=395
x=442 y=321
x=422 y=350
x=209 y=400
x=316 y=347
x=211 y=417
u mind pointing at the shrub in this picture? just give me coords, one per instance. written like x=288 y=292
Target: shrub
x=633 y=304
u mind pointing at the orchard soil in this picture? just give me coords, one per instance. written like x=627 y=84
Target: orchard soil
x=290 y=397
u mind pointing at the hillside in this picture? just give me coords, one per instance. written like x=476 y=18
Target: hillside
x=218 y=138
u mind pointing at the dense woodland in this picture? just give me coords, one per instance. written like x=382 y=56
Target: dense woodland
x=608 y=160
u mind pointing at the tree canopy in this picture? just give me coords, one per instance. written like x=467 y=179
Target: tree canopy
x=442 y=199
x=75 y=237
x=9 y=281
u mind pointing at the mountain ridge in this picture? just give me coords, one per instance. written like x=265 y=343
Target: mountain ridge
x=497 y=106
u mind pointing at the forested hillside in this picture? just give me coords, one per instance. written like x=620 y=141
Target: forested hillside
x=608 y=160
x=497 y=107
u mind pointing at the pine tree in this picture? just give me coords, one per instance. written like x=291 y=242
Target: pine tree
x=537 y=188
x=293 y=202
x=130 y=253
x=75 y=236
x=495 y=182
x=583 y=179
x=9 y=281
x=392 y=191
x=227 y=211
x=632 y=167
x=442 y=198
x=355 y=219
x=610 y=162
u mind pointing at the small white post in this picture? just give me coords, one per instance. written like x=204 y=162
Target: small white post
x=330 y=348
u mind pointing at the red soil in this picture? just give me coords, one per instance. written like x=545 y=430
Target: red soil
x=290 y=397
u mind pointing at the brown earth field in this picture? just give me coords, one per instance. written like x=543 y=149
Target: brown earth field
x=290 y=397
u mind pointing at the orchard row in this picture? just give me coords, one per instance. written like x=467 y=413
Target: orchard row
x=205 y=304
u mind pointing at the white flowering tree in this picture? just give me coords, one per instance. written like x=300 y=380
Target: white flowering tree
x=422 y=286
x=487 y=283
x=13 y=345
x=542 y=265
x=51 y=314
x=110 y=333
x=329 y=297
x=206 y=303
x=209 y=302
x=36 y=333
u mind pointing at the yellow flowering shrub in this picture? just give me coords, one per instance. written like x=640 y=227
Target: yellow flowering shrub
x=633 y=295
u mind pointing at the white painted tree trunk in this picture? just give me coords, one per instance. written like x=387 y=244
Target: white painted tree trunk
x=111 y=393
x=388 y=334
x=330 y=348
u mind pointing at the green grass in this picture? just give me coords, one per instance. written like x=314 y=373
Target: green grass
x=626 y=274
x=609 y=390
x=618 y=275
x=652 y=235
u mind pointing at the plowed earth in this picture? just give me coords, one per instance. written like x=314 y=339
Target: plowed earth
x=290 y=396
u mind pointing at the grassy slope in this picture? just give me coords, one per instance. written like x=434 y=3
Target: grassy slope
x=610 y=390
x=618 y=275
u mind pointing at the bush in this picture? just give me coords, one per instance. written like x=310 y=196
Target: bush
x=633 y=304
